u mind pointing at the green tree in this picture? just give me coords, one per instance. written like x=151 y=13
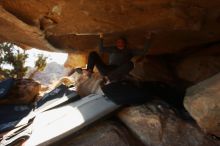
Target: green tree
x=13 y=57
x=40 y=64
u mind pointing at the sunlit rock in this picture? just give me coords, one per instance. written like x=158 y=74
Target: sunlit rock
x=202 y=101
x=76 y=60
x=73 y=26
x=156 y=124
x=102 y=134
x=24 y=91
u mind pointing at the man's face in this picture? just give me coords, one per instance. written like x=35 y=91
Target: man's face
x=120 y=44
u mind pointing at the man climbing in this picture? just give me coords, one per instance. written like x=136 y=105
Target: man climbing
x=119 y=59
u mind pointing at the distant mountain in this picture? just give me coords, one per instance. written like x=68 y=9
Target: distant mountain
x=52 y=72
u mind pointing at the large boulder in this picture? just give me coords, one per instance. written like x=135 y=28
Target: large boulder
x=102 y=134
x=92 y=85
x=23 y=91
x=202 y=101
x=84 y=85
x=151 y=69
x=199 y=65
x=156 y=124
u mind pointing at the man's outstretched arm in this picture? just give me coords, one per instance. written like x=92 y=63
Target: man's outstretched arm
x=146 y=46
x=101 y=45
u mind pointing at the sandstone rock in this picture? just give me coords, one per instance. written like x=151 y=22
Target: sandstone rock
x=76 y=60
x=155 y=124
x=24 y=91
x=202 y=101
x=12 y=29
x=200 y=66
x=71 y=24
x=102 y=134
x=86 y=86
x=151 y=69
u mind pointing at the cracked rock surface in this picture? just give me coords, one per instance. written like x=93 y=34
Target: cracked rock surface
x=72 y=26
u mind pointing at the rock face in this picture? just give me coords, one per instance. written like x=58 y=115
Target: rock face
x=151 y=69
x=75 y=60
x=199 y=65
x=83 y=84
x=92 y=85
x=156 y=124
x=24 y=91
x=103 y=134
x=71 y=25
x=202 y=101
x=179 y=25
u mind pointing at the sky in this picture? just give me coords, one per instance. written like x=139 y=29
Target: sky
x=59 y=58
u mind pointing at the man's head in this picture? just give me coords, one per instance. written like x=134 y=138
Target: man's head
x=121 y=43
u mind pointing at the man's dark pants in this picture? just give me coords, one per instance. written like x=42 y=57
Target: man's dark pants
x=113 y=72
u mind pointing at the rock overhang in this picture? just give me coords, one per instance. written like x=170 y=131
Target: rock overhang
x=72 y=26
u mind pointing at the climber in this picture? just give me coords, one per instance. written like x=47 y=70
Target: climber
x=119 y=59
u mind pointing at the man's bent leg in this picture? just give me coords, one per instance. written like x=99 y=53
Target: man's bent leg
x=95 y=60
x=121 y=71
